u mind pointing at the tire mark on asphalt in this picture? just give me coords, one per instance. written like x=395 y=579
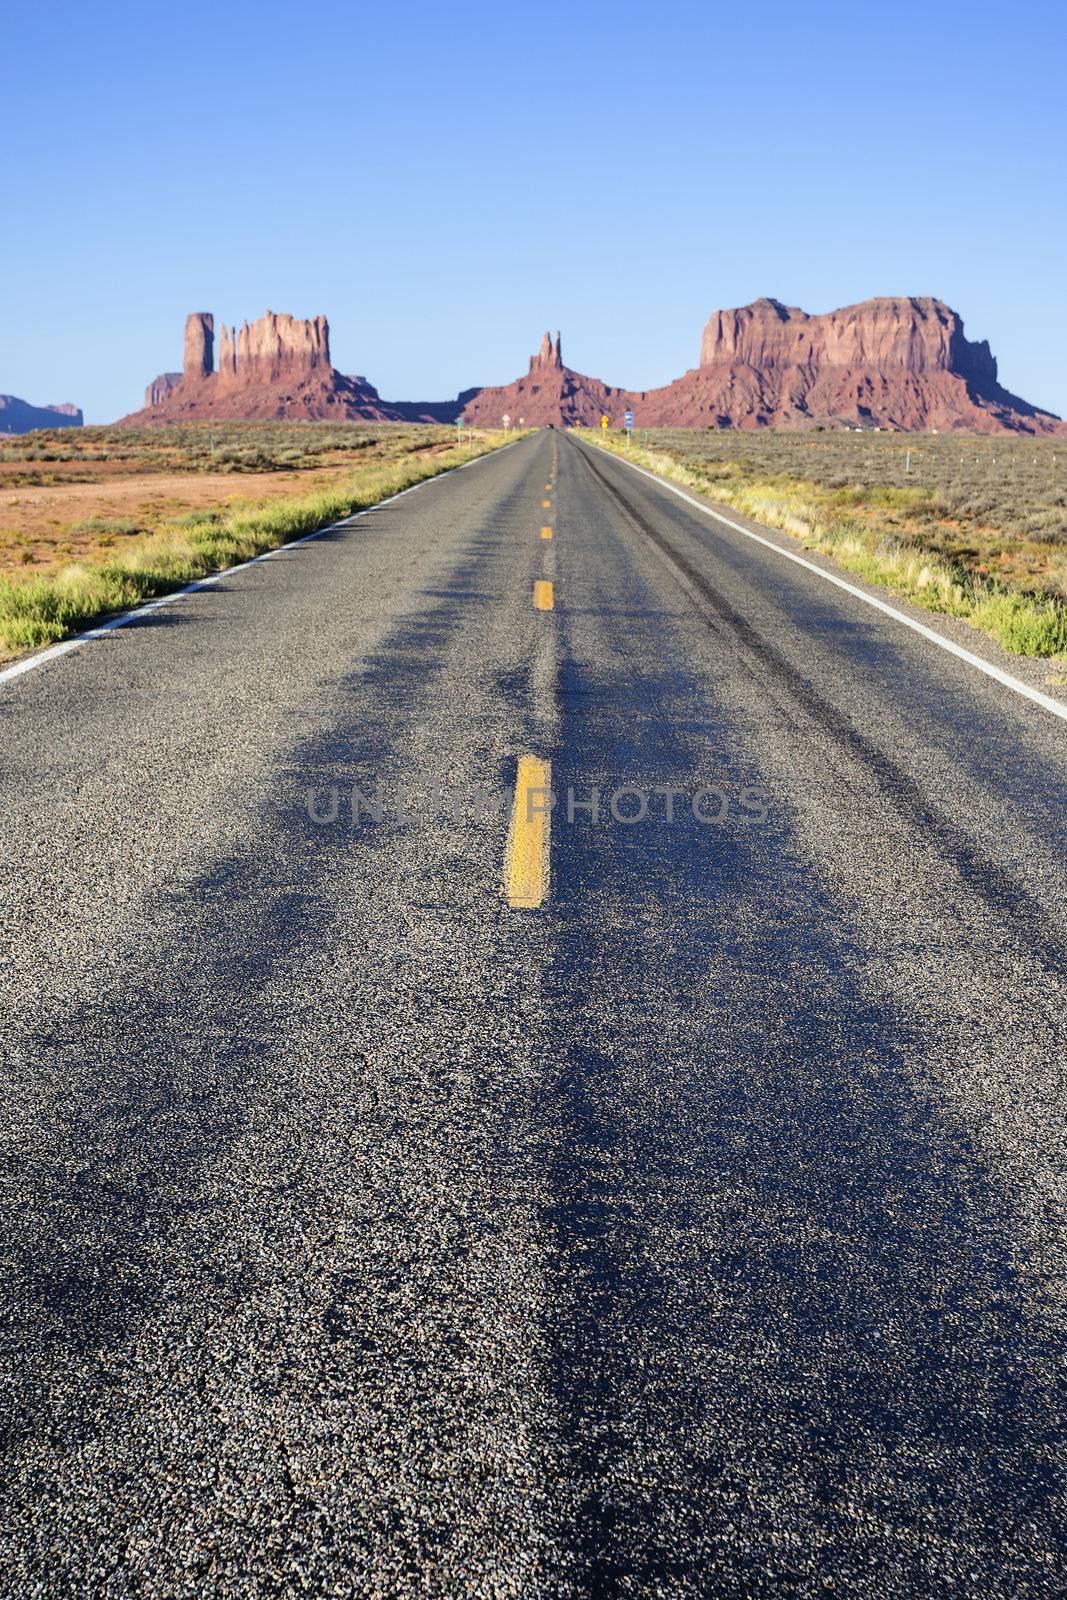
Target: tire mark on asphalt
x=998 y=888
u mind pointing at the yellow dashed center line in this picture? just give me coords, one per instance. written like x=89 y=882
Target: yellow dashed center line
x=526 y=865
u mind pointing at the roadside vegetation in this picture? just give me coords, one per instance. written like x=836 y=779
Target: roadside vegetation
x=972 y=527
x=67 y=560
x=66 y=455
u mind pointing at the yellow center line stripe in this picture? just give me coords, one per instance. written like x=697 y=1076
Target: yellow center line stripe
x=542 y=595
x=526 y=866
x=546 y=533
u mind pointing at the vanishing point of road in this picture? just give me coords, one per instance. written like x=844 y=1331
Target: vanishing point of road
x=413 y=1188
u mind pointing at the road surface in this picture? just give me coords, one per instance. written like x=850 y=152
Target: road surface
x=470 y=1203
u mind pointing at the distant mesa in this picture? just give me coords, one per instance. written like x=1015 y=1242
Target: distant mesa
x=159 y=389
x=897 y=363
x=275 y=368
x=18 y=416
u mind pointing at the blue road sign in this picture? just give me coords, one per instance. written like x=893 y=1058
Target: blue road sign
x=628 y=419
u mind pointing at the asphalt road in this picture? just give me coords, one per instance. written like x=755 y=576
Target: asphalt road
x=693 y=1233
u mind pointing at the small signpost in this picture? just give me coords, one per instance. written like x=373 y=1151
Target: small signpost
x=628 y=424
x=507 y=422
x=459 y=430
x=604 y=422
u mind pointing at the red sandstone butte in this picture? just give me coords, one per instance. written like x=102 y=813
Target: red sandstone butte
x=275 y=368
x=549 y=392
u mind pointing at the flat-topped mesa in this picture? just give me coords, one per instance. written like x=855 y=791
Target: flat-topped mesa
x=275 y=346
x=916 y=335
x=161 y=387
x=549 y=357
x=198 y=360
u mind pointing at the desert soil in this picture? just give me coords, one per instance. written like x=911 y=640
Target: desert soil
x=42 y=528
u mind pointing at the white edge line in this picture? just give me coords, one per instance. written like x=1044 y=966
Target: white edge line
x=30 y=663
x=1057 y=707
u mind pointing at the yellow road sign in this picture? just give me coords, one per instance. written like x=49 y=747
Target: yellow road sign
x=603 y=422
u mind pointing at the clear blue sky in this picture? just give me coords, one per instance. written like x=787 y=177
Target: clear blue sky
x=446 y=181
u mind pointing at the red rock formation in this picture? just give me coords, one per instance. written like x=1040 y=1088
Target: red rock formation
x=915 y=336
x=274 y=348
x=550 y=392
x=895 y=363
x=198 y=359
x=227 y=355
x=161 y=387
x=276 y=367
x=889 y=363
x=549 y=357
